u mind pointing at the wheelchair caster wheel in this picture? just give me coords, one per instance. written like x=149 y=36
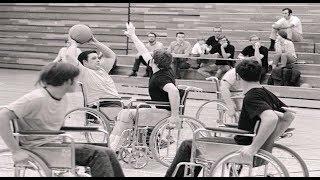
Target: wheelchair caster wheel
x=138 y=158
x=124 y=155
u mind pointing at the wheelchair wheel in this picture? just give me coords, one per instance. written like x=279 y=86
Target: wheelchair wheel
x=213 y=113
x=138 y=157
x=89 y=117
x=35 y=167
x=270 y=167
x=294 y=163
x=164 y=141
x=6 y=163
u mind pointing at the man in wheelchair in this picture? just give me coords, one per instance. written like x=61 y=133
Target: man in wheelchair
x=94 y=72
x=259 y=104
x=43 y=109
x=161 y=88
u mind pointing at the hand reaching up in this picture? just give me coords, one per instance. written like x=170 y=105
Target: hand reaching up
x=130 y=30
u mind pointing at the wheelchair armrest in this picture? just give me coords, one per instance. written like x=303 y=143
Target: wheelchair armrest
x=189 y=88
x=230 y=130
x=158 y=103
x=79 y=128
x=231 y=125
x=36 y=132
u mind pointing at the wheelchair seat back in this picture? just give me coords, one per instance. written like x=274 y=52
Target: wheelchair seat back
x=212 y=148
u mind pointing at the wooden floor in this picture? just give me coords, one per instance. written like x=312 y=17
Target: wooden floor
x=305 y=141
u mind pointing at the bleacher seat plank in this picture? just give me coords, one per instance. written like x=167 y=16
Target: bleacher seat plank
x=65 y=16
x=64 y=9
x=308 y=8
x=206 y=24
x=69 y=4
x=238 y=44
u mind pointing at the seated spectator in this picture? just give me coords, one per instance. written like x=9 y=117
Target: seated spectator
x=161 y=88
x=152 y=45
x=43 y=109
x=180 y=47
x=285 y=51
x=289 y=23
x=200 y=48
x=61 y=57
x=256 y=107
x=223 y=50
x=256 y=52
x=213 y=40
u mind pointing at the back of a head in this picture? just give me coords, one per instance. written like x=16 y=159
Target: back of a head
x=84 y=55
x=162 y=58
x=55 y=74
x=249 y=70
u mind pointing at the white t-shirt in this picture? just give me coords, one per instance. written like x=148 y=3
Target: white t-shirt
x=37 y=110
x=294 y=20
x=97 y=84
x=231 y=78
x=198 y=49
x=62 y=54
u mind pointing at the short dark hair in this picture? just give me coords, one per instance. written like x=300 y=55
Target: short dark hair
x=84 y=55
x=289 y=10
x=249 y=70
x=179 y=33
x=56 y=73
x=153 y=34
x=162 y=58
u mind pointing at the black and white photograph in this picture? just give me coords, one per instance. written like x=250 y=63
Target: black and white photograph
x=159 y=89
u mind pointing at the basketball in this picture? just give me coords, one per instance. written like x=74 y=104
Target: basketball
x=80 y=33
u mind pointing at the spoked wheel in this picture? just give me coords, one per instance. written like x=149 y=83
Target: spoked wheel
x=213 y=113
x=268 y=167
x=294 y=163
x=89 y=117
x=124 y=155
x=165 y=141
x=138 y=157
x=35 y=167
x=6 y=163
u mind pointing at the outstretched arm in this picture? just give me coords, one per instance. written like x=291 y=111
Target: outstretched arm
x=130 y=32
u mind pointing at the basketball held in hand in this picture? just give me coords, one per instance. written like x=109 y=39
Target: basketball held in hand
x=80 y=33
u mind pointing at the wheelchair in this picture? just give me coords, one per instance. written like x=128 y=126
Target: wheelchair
x=286 y=155
x=100 y=113
x=219 y=156
x=43 y=159
x=163 y=141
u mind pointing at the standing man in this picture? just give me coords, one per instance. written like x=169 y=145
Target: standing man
x=152 y=45
x=182 y=47
x=290 y=23
x=256 y=52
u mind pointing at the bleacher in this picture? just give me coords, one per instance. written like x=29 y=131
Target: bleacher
x=31 y=34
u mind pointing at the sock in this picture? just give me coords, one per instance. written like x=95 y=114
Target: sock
x=272 y=43
x=114 y=142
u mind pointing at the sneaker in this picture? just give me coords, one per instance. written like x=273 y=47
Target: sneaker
x=133 y=74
